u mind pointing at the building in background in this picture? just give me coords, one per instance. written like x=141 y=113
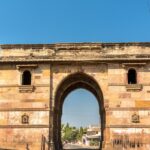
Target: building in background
x=92 y=136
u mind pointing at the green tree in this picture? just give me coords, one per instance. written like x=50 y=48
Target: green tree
x=69 y=133
x=72 y=134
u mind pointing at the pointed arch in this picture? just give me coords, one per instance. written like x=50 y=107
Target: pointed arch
x=70 y=83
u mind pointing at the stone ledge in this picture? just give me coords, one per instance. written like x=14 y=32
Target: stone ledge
x=26 y=66
x=132 y=64
x=26 y=89
x=23 y=109
x=24 y=126
x=128 y=109
x=128 y=126
x=134 y=87
x=15 y=85
x=123 y=84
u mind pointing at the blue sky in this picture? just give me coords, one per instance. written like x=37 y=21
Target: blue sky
x=52 y=21
x=81 y=109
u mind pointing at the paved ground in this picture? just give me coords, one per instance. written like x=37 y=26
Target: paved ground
x=76 y=147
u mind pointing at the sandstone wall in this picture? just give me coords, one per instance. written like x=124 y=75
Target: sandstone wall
x=127 y=106
x=17 y=100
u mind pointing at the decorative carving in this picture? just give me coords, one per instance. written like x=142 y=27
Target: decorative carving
x=135 y=118
x=25 y=119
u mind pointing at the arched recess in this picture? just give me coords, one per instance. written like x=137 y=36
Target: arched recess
x=70 y=83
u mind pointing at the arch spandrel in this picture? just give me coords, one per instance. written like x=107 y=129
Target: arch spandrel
x=98 y=72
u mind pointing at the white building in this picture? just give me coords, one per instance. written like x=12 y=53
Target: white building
x=93 y=135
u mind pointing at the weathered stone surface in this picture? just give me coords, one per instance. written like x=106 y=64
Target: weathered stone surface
x=102 y=68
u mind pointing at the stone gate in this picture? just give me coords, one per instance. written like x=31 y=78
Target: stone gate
x=35 y=79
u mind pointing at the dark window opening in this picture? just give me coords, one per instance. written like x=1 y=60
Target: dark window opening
x=26 y=78
x=132 y=76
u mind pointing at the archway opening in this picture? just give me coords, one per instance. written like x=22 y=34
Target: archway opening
x=69 y=84
x=80 y=122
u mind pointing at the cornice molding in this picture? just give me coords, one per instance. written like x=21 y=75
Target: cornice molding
x=71 y=45
x=73 y=60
